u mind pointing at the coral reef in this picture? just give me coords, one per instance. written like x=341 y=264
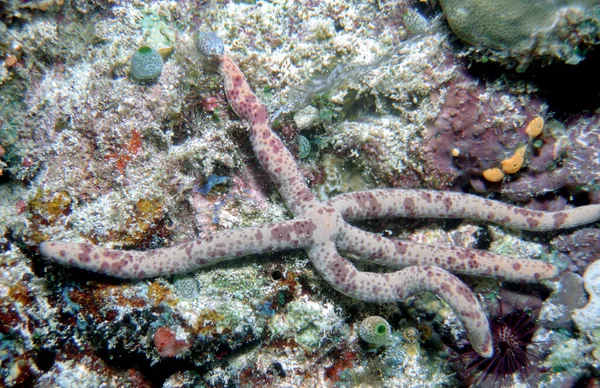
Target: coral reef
x=568 y=159
x=576 y=251
x=322 y=228
x=88 y=154
x=526 y=30
x=477 y=133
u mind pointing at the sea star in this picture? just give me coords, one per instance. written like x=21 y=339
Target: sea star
x=322 y=229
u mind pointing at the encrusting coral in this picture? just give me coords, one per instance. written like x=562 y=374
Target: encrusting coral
x=322 y=228
x=522 y=31
x=570 y=159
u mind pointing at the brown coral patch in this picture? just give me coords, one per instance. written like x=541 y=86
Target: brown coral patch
x=48 y=207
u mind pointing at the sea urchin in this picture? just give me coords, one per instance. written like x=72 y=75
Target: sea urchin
x=512 y=334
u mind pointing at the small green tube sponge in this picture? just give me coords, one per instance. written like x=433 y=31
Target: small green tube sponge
x=375 y=331
x=146 y=64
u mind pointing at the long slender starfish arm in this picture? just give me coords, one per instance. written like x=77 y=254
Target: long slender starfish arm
x=396 y=286
x=185 y=257
x=318 y=227
x=268 y=148
x=434 y=204
x=399 y=254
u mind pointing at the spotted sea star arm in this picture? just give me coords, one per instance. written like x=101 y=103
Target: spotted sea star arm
x=268 y=148
x=185 y=257
x=318 y=227
x=396 y=286
x=336 y=270
x=397 y=254
x=434 y=204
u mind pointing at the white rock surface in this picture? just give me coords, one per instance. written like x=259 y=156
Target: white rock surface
x=588 y=317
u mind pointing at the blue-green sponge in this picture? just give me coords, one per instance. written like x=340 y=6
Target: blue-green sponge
x=146 y=64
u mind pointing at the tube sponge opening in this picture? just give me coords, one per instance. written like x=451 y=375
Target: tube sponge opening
x=375 y=331
x=146 y=64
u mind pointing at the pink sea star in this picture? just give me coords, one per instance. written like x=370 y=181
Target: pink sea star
x=322 y=229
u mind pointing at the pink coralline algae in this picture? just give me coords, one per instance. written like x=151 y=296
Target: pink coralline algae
x=579 y=249
x=474 y=131
x=167 y=344
x=567 y=160
x=477 y=130
x=323 y=228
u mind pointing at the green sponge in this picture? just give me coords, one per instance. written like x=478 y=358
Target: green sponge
x=146 y=64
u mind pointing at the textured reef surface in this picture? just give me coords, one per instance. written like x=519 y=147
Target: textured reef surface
x=519 y=32
x=114 y=131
